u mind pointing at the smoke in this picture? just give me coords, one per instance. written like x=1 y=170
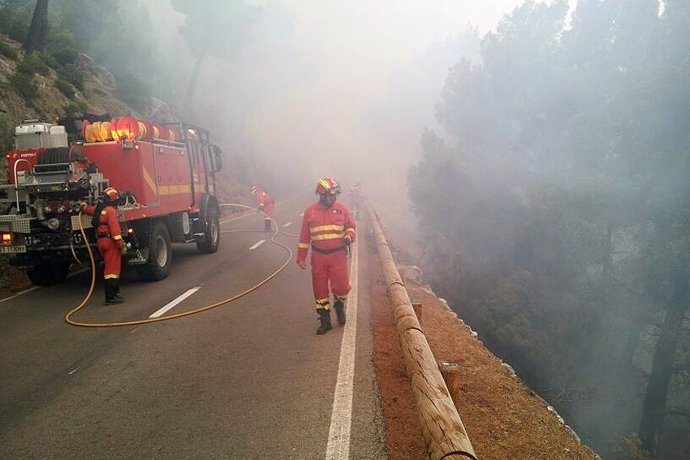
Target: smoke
x=339 y=89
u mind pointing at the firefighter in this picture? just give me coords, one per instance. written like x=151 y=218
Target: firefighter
x=328 y=229
x=111 y=246
x=266 y=205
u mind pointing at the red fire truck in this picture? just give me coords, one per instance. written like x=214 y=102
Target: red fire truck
x=165 y=174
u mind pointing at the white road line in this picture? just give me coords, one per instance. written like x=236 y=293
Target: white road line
x=287 y=225
x=341 y=417
x=258 y=243
x=175 y=302
x=26 y=291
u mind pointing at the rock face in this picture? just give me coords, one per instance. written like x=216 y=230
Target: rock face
x=98 y=96
x=159 y=110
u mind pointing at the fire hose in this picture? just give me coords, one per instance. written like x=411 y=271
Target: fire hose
x=68 y=316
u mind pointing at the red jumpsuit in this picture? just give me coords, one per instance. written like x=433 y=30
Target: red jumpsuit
x=267 y=205
x=324 y=229
x=110 y=242
x=266 y=201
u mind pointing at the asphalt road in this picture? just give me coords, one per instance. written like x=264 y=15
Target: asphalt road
x=247 y=380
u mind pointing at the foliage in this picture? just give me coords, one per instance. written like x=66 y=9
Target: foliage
x=557 y=211
x=33 y=63
x=79 y=107
x=72 y=75
x=23 y=81
x=8 y=52
x=217 y=27
x=65 y=88
x=6 y=138
x=15 y=18
x=629 y=448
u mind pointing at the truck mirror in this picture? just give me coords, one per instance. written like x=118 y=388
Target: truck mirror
x=217 y=158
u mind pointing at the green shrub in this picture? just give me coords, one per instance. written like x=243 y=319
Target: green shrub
x=628 y=448
x=64 y=56
x=25 y=85
x=6 y=134
x=65 y=88
x=9 y=52
x=13 y=24
x=33 y=63
x=50 y=61
x=71 y=74
x=62 y=46
x=80 y=107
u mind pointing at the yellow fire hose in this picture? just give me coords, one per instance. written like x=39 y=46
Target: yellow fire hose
x=178 y=315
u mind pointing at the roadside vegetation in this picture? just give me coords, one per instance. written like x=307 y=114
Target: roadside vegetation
x=556 y=213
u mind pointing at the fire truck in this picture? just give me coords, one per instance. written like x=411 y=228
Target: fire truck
x=165 y=174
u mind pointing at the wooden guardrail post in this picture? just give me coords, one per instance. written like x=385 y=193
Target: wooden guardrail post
x=443 y=431
x=451 y=375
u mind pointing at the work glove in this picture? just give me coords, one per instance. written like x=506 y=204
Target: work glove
x=123 y=249
x=347 y=240
x=302 y=264
x=261 y=207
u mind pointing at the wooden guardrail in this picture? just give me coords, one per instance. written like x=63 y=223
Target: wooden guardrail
x=444 y=433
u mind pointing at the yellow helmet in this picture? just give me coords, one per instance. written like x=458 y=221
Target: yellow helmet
x=327 y=186
x=111 y=194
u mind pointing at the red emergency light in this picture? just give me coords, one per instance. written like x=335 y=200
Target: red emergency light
x=126 y=128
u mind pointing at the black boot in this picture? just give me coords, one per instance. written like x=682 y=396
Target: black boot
x=110 y=292
x=116 y=287
x=325 y=318
x=339 y=305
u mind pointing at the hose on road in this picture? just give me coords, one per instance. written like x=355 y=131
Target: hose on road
x=68 y=316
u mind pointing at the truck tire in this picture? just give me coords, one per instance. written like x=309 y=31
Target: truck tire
x=211 y=240
x=160 y=254
x=48 y=275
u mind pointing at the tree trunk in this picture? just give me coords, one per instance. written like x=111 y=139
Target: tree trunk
x=662 y=367
x=36 y=38
x=192 y=84
x=630 y=344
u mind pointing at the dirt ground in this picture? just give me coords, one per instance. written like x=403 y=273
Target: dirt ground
x=503 y=417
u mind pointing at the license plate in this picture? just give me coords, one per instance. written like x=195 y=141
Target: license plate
x=12 y=249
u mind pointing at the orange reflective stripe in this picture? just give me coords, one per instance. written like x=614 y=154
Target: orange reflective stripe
x=328 y=236
x=323 y=228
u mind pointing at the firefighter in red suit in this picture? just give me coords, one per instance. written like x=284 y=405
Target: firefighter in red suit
x=328 y=229
x=266 y=204
x=111 y=246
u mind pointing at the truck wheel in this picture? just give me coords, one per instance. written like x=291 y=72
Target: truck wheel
x=211 y=239
x=160 y=254
x=48 y=275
